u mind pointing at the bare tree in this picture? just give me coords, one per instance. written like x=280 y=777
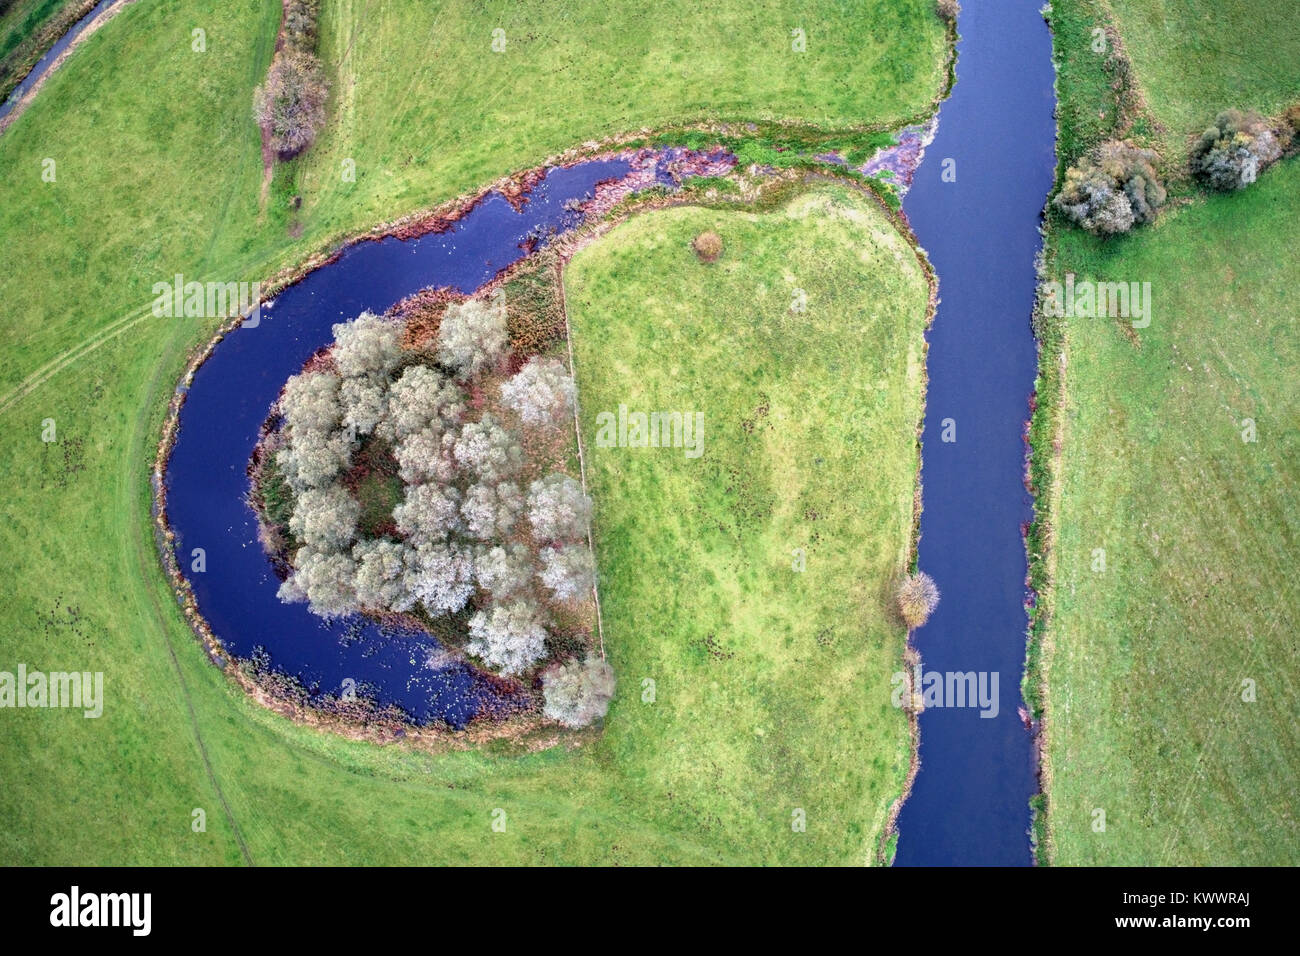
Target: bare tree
x=569 y=571
x=490 y=512
x=368 y=345
x=420 y=398
x=509 y=636
x=472 y=336
x=558 y=510
x=325 y=580
x=578 y=693
x=440 y=576
x=503 y=571
x=542 y=392
x=325 y=519
x=489 y=450
x=428 y=513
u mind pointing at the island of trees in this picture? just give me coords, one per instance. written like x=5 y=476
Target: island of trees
x=420 y=473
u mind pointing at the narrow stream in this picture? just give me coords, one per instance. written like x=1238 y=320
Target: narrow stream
x=46 y=62
x=975 y=205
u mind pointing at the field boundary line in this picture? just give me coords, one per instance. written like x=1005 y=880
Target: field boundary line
x=582 y=459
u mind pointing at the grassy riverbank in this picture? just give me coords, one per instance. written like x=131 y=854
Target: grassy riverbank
x=158 y=170
x=28 y=28
x=1145 y=661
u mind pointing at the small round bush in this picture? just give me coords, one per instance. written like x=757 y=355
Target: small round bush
x=708 y=246
x=948 y=9
x=918 y=596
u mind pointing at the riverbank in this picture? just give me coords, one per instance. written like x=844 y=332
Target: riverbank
x=64 y=25
x=1159 y=530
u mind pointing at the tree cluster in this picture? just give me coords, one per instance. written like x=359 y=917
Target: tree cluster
x=468 y=534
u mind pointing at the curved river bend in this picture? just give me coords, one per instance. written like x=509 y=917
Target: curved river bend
x=997 y=142
x=996 y=133
x=228 y=401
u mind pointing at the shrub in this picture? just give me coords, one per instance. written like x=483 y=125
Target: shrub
x=948 y=9
x=558 y=510
x=708 y=246
x=1291 y=116
x=472 y=336
x=569 y=571
x=290 y=106
x=300 y=18
x=509 y=636
x=542 y=392
x=1235 y=150
x=578 y=693
x=918 y=596
x=1112 y=189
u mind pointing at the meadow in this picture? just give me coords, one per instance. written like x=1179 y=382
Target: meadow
x=157 y=172
x=1168 y=599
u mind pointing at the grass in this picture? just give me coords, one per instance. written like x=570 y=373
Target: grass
x=1196 y=57
x=773 y=684
x=158 y=172
x=1145 y=661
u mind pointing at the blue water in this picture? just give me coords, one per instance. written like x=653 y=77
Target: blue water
x=43 y=64
x=230 y=398
x=970 y=801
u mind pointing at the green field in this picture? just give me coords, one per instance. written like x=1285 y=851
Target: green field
x=773 y=683
x=158 y=172
x=1146 y=659
x=1194 y=57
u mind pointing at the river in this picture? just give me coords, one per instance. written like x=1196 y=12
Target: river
x=975 y=205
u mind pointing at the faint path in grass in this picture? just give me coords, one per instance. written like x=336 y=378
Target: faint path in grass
x=146 y=560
